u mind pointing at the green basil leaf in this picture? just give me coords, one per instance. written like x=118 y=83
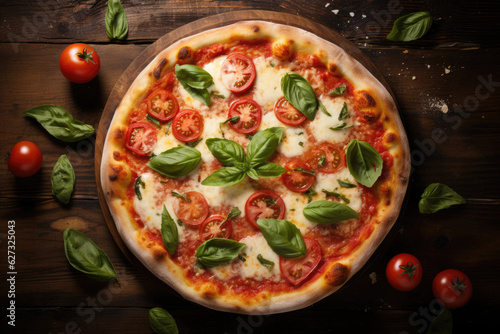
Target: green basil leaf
x=442 y=324
x=303 y=170
x=323 y=109
x=235 y=212
x=269 y=169
x=195 y=81
x=59 y=123
x=63 y=179
x=252 y=173
x=224 y=177
x=181 y=196
x=339 y=195
x=153 y=120
x=162 y=322
x=116 y=20
x=328 y=212
x=265 y=262
x=364 y=162
x=342 y=126
x=345 y=184
x=137 y=187
x=230 y=119
x=283 y=237
x=339 y=90
x=169 y=232
x=84 y=255
x=310 y=193
x=322 y=159
x=300 y=94
x=194 y=142
x=226 y=151
x=438 y=196
x=263 y=144
x=344 y=113
x=176 y=162
x=410 y=27
x=217 y=251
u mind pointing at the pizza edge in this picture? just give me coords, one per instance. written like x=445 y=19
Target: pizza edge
x=115 y=176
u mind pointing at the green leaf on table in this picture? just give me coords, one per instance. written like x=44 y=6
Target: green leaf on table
x=116 y=20
x=410 y=27
x=162 y=322
x=438 y=196
x=63 y=179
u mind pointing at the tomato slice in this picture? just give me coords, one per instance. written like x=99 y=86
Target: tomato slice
x=297 y=270
x=187 y=125
x=141 y=138
x=288 y=114
x=328 y=158
x=264 y=204
x=237 y=72
x=212 y=228
x=249 y=113
x=162 y=105
x=192 y=212
x=297 y=181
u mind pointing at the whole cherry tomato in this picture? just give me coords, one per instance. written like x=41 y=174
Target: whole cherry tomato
x=452 y=288
x=79 y=63
x=25 y=159
x=404 y=272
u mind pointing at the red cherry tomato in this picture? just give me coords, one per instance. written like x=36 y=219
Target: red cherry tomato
x=237 y=72
x=162 y=105
x=264 y=204
x=249 y=113
x=327 y=158
x=192 y=212
x=25 y=159
x=187 y=125
x=288 y=114
x=79 y=63
x=141 y=138
x=212 y=228
x=452 y=288
x=404 y=272
x=297 y=270
x=296 y=180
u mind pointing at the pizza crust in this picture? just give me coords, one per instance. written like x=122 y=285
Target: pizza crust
x=115 y=175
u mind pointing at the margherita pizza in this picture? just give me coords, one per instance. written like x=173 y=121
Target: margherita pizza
x=255 y=167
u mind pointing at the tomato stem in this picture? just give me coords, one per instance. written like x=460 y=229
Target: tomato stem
x=409 y=269
x=86 y=56
x=459 y=285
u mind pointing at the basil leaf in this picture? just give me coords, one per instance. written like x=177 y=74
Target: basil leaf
x=252 y=173
x=364 y=162
x=169 y=232
x=84 y=255
x=217 y=251
x=438 y=196
x=345 y=184
x=309 y=194
x=176 y=162
x=300 y=94
x=321 y=161
x=265 y=262
x=344 y=113
x=137 y=187
x=235 y=212
x=442 y=324
x=194 y=142
x=263 y=144
x=303 y=170
x=224 y=177
x=63 y=179
x=410 y=27
x=230 y=119
x=283 y=237
x=226 y=151
x=338 y=195
x=179 y=195
x=195 y=81
x=323 y=109
x=153 y=120
x=162 y=322
x=339 y=90
x=116 y=20
x=328 y=212
x=269 y=169
x=59 y=123
x=342 y=126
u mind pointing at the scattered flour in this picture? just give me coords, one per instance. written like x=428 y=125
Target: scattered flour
x=438 y=104
x=328 y=4
x=352 y=14
x=373 y=277
x=335 y=11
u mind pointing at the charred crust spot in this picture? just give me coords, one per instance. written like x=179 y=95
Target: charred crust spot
x=334 y=69
x=386 y=118
x=403 y=180
x=282 y=50
x=365 y=100
x=185 y=55
x=157 y=70
x=159 y=253
x=388 y=202
x=209 y=292
x=118 y=134
x=256 y=29
x=370 y=115
x=113 y=177
x=390 y=137
x=117 y=156
x=337 y=274
x=385 y=189
x=117 y=169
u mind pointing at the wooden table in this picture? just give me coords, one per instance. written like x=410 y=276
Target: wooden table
x=445 y=70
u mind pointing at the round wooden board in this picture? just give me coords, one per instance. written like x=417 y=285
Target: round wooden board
x=135 y=68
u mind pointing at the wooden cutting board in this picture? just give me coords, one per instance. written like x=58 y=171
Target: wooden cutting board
x=192 y=28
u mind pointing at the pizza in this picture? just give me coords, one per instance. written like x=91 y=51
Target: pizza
x=255 y=167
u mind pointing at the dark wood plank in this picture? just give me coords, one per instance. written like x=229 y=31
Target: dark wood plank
x=458 y=24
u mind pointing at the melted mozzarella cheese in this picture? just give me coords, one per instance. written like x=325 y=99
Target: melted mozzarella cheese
x=251 y=268
x=267 y=85
x=214 y=68
x=321 y=125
